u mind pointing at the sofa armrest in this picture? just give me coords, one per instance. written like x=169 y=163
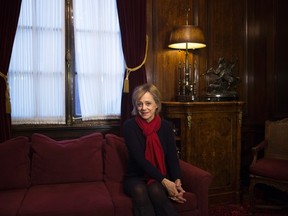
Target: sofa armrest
x=197 y=181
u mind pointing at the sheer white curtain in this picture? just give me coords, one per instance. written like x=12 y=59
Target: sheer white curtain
x=99 y=58
x=37 y=67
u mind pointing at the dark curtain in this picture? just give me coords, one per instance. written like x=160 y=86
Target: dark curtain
x=132 y=19
x=9 y=14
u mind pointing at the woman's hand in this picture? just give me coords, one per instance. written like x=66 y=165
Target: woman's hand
x=170 y=186
x=180 y=190
x=175 y=190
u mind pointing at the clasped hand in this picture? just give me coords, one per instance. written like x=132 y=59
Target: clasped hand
x=175 y=190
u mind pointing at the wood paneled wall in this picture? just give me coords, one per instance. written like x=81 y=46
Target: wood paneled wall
x=251 y=31
x=254 y=33
x=164 y=16
x=223 y=23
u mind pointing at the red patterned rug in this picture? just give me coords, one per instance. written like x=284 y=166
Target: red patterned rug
x=227 y=210
x=264 y=195
x=242 y=210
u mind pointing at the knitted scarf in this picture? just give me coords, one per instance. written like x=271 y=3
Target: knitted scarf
x=154 y=151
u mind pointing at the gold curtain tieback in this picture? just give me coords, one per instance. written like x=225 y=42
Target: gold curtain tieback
x=7 y=95
x=129 y=70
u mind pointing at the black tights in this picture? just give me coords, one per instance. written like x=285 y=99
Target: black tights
x=151 y=200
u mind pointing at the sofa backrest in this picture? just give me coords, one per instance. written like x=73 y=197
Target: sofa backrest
x=115 y=158
x=44 y=160
x=75 y=160
x=14 y=163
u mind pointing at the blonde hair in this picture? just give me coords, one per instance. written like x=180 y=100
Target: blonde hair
x=139 y=91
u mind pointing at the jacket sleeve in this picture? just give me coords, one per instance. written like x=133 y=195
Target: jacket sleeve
x=172 y=162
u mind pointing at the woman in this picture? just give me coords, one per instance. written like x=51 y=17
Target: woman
x=153 y=175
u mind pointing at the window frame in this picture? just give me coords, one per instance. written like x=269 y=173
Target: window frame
x=72 y=120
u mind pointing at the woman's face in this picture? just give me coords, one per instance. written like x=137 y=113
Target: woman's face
x=147 y=107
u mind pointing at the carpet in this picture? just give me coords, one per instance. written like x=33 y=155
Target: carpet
x=263 y=195
x=242 y=210
x=228 y=210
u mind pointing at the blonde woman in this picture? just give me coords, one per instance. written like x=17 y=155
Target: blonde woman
x=153 y=178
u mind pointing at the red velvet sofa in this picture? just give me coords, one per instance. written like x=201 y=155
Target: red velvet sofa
x=79 y=177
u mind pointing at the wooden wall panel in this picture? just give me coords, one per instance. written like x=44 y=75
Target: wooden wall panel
x=280 y=108
x=226 y=34
x=267 y=75
x=259 y=59
x=168 y=14
x=223 y=24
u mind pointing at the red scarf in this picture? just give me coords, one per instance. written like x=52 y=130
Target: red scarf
x=154 y=151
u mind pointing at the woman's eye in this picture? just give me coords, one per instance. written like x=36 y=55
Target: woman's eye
x=140 y=104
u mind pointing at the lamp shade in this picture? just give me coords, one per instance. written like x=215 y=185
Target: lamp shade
x=187 y=34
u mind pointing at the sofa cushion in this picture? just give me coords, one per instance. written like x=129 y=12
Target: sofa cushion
x=116 y=157
x=122 y=202
x=14 y=163
x=71 y=199
x=76 y=160
x=10 y=201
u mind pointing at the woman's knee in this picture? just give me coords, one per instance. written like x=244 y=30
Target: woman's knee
x=157 y=191
x=139 y=194
x=138 y=190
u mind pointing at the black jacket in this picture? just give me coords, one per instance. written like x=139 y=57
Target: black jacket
x=138 y=166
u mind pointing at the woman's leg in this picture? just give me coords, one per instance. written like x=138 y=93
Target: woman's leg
x=142 y=205
x=158 y=195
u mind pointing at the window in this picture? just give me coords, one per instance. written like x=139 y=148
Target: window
x=67 y=62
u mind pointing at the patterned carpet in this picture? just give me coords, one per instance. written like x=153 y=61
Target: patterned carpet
x=227 y=210
x=242 y=209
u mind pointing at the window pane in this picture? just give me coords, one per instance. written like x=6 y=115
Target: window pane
x=37 y=69
x=99 y=58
